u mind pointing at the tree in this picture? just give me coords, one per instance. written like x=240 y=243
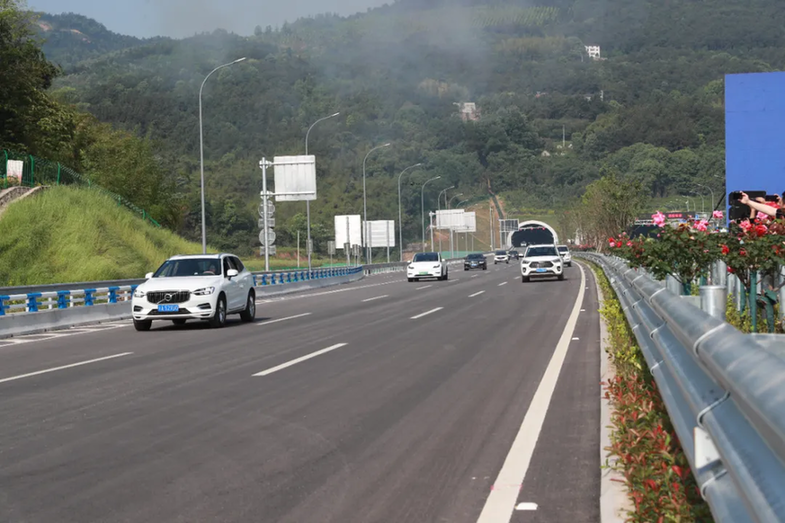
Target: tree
x=610 y=205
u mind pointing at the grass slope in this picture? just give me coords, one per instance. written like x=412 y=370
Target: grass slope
x=68 y=234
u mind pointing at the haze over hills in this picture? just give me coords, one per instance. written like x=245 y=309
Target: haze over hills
x=550 y=117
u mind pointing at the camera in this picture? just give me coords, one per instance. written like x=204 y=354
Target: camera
x=739 y=211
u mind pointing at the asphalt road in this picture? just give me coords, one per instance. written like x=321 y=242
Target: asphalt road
x=378 y=401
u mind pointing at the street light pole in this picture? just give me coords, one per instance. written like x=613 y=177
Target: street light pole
x=422 y=209
x=714 y=202
x=439 y=208
x=308 y=202
x=201 y=150
x=454 y=197
x=400 y=216
x=365 y=207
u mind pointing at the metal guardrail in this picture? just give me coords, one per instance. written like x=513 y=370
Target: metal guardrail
x=723 y=391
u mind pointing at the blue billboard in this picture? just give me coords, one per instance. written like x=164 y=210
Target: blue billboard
x=754 y=137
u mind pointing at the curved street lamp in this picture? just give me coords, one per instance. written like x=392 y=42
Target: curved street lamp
x=308 y=202
x=454 y=197
x=422 y=208
x=201 y=149
x=400 y=222
x=365 y=207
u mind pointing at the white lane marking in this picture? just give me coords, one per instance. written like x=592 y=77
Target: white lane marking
x=583 y=310
x=310 y=295
x=475 y=275
x=437 y=309
x=299 y=360
x=501 y=502
x=503 y=283
x=421 y=288
x=575 y=339
x=377 y=298
x=476 y=294
x=21 y=376
x=526 y=506
x=268 y=322
x=61 y=333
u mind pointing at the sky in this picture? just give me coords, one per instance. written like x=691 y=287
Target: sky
x=182 y=18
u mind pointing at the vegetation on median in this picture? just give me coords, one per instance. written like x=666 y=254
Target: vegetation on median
x=657 y=475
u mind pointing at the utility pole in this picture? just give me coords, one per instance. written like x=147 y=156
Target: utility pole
x=490 y=220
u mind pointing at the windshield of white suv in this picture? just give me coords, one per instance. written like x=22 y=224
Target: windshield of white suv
x=501 y=253
x=541 y=251
x=562 y=249
x=189 y=267
x=426 y=257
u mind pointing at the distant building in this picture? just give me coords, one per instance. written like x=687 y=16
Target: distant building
x=593 y=51
x=469 y=111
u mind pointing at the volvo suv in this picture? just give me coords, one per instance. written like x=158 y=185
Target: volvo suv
x=195 y=287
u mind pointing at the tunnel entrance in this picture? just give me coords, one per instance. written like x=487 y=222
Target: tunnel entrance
x=532 y=233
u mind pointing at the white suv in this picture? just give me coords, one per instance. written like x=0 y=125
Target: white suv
x=501 y=257
x=427 y=265
x=564 y=252
x=541 y=260
x=197 y=287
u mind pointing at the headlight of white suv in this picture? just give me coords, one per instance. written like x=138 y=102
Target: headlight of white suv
x=204 y=292
x=139 y=293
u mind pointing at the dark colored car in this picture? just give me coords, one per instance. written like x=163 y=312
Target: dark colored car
x=475 y=261
x=514 y=255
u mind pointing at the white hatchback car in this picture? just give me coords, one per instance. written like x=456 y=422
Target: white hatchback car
x=541 y=260
x=196 y=287
x=427 y=265
x=501 y=257
x=565 y=254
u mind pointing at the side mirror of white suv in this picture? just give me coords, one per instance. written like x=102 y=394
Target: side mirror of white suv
x=148 y=275
x=231 y=273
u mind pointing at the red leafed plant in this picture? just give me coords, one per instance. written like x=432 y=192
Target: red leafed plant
x=647 y=451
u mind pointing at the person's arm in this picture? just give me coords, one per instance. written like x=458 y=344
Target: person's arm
x=761 y=207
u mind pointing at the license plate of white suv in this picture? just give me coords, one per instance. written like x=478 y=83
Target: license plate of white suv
x=541 y=270
x=168 y=308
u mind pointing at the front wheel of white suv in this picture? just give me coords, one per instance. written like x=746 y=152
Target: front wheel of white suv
x=249 y=313
x=143 y=325
x=219 y=318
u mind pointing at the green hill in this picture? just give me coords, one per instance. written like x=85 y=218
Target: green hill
x=69 y=234
x=550 y=121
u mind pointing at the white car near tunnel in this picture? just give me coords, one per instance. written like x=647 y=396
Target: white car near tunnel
x=198 y=287
x=541 y=261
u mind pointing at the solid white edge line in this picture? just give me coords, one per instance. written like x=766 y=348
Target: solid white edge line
x=299 y=360
x=437 y=309
x=421 y=288
x=46 y=371
x=500 y=505
x=475 y=294
x=377 y=298
x=268 y=322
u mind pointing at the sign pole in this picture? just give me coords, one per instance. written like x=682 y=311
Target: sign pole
x=348 y=243
x=266 y=228
x=388 y=241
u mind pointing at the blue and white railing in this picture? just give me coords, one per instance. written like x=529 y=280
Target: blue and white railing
x=64 y=299
x=283 y=277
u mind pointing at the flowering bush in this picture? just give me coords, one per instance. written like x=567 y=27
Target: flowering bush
x=755 y=247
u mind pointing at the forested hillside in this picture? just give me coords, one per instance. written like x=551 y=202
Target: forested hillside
x=551 y=119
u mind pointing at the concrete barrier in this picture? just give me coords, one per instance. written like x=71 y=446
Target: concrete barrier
x=57 y=319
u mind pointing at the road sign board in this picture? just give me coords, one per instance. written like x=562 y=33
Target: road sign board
x=270 y=209
x=270 y=222
x=331 y=248
x=270 y=237
x=309 y=246
x=272 y=250
x=295 y=178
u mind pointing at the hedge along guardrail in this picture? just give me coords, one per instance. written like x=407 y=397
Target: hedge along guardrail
x=38 y=171
x=722 y=392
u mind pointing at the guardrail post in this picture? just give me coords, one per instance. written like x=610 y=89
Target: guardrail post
x=3 y=299
x=62 y=300
x=88 y=297
x=113 y=294
x=32 y=301
x=714 y=300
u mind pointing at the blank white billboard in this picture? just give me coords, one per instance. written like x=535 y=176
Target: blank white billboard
x=469 y=223
x=295 y=178
x=381 y=233
x=348 y=230
x=449 y=219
